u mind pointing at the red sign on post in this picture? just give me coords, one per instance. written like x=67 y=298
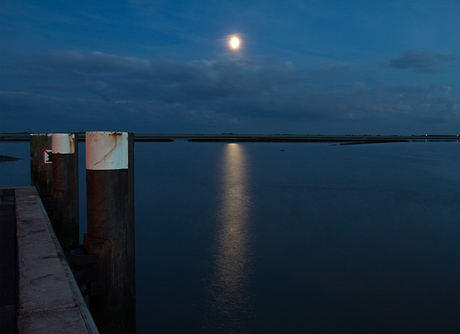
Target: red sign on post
x=47 y=156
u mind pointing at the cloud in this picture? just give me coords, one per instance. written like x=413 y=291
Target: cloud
x=421 y=61
x=96 y=88
x=115 y=77
x=328 y=71
x=93 y=62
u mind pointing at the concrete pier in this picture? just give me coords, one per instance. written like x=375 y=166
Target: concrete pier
x=49 y=300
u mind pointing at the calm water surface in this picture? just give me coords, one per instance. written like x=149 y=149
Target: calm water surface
x=290 y=237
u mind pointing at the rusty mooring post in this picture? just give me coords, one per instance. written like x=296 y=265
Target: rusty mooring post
x=65 y=188
x=110 y=219
x=41 y=171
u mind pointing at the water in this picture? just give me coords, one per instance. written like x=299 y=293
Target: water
x=290 y=237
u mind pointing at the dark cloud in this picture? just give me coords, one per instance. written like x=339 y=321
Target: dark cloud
x=91 y=89
x=94 y=62
x=114 y=77
x=421 y=61
x=329 y=71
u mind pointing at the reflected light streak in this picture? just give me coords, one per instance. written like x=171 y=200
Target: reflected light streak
x=231 y=295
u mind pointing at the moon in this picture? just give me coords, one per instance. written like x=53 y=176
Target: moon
x=235 y=43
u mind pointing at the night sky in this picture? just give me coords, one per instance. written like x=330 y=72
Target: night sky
x=303 y=67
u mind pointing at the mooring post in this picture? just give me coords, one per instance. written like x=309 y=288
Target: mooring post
x=65 y=188
x=110 y=219
x=41 y=171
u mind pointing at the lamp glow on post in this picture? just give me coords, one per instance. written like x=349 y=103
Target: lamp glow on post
x=110 y=219
x=65 y=188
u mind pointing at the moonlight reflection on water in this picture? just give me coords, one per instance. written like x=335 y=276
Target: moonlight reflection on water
x=231 y=300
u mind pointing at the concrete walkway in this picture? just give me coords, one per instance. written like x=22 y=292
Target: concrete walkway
x=49 y=298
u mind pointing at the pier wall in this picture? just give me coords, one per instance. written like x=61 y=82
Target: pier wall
x=49 y=298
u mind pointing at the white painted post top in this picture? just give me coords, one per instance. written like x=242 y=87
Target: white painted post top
x=106 y=150
x=63 y=143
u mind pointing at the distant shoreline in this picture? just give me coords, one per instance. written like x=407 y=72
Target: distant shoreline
x=284 y=138
x=295 y=140
x=7 y=158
